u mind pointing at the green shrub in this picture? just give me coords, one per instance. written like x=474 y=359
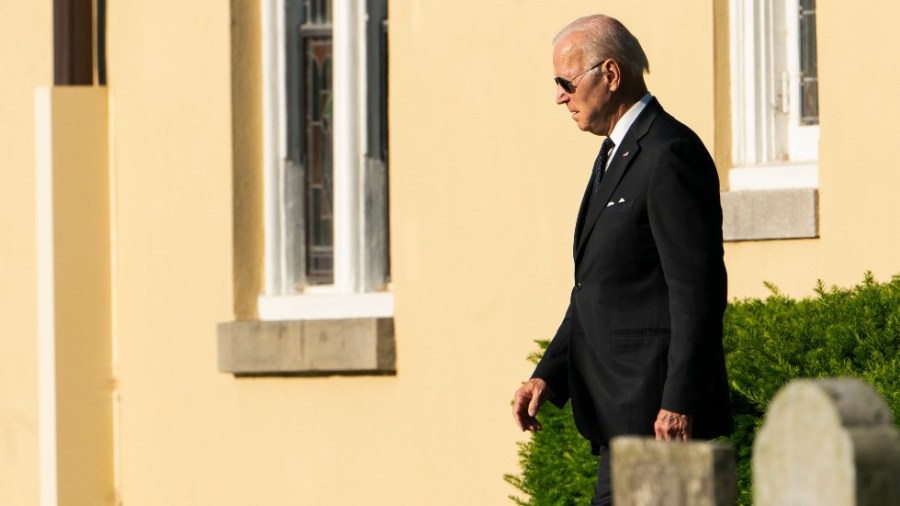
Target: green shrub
x=840 y=332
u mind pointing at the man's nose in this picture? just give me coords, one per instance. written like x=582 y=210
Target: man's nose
x=561 y=96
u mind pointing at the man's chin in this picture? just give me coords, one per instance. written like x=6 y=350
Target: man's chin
x=586 y=127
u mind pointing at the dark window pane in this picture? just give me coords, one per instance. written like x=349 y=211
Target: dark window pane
x=377 y=166
x=309 y=173
x=319 y=188
x=809 y=72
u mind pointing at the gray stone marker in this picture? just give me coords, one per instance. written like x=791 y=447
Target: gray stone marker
x=646 y=472
x=827 y=442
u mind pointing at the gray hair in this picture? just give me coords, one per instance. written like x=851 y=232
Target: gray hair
x=606 y=37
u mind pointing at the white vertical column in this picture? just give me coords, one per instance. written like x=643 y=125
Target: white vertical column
x=747 y=81
x=273 y=145
x=349 y=133
x=46 y=310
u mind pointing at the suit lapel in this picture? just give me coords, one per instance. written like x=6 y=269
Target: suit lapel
x=625 y=155
x=582 y=211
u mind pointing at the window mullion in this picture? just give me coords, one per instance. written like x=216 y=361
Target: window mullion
x=349 y=132
x=273 y=146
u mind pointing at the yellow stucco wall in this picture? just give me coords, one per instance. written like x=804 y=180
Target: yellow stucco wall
x=169 y=82
x=480 y=261
x=486 y=175
x=858 y=172
x=26 y=50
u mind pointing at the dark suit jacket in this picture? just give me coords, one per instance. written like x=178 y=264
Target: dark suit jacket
x=643 y=330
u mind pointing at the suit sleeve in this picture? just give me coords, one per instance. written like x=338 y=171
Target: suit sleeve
x=554 y=365
x=686 y=221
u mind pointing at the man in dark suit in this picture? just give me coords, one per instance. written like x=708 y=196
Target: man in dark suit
x=639 y=350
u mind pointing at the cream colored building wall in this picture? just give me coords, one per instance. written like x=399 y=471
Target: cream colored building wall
x=859 y=180
x=169 y=88
x=487 y=173
x=486 y=176
x=27 y=52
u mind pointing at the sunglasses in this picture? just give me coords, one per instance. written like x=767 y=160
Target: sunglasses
x=567 y=85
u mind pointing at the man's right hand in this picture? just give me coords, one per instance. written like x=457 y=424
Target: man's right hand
x=527 y=402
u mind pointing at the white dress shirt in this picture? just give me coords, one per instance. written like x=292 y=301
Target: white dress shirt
x=624 y=124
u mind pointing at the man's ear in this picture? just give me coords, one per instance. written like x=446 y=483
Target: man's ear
x=613 y=73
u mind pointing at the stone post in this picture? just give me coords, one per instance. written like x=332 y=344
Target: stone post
x=646 y=472
x=827 y=442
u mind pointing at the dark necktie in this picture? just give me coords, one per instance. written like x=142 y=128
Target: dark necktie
x=599 y=166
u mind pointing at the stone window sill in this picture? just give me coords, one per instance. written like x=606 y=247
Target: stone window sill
x=754 y=215
x=354 y=346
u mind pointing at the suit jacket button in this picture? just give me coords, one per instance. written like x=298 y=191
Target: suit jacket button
x=578 y=285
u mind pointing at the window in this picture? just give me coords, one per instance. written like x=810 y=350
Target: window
x=326 y=192
x=79 y=42
x=326 y=307
x=809 y=73
x=774 y=94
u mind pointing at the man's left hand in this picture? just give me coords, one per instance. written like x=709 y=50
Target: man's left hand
x=671 y=426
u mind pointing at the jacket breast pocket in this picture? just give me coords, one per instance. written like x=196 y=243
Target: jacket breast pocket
x=620 y=208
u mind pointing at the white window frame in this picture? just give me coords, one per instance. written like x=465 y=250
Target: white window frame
x=771 y=149
x=349 y=296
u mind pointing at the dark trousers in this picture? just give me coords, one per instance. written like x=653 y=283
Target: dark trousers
x=603 y=490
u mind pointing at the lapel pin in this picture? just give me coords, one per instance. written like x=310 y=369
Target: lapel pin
x=611 y=203
x=621 y=200
x=625 y=153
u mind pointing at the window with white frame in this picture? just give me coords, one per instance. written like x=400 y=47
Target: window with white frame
x=774 y=94
x=326 y=192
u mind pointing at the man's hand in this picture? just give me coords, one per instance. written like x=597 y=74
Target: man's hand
x=672 y=426
x=527 y=402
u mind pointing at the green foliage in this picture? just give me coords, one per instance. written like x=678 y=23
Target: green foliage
x=840 y=332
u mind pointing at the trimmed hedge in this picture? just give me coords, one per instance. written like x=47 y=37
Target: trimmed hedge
x=840 y=332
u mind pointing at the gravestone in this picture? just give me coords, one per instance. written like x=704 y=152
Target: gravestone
x=646 y=472
x=827 y=442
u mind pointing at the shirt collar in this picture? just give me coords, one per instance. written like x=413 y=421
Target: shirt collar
x=625 y=122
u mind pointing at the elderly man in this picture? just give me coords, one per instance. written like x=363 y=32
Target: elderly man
x=639 y=350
